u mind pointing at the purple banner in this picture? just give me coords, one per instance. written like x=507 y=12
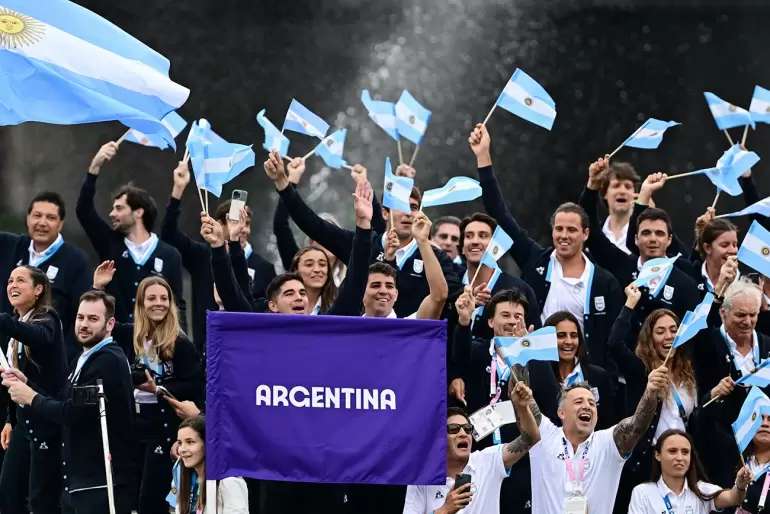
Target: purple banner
x=327 y=399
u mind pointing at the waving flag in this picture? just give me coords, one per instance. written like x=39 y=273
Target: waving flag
x=65 y=65
x=726 y=114
x=201 y=135
x=760 y=105
x=458 y=189
x=301 y=119
x=330 y=149
x=762 y=208
x=733 y=163
x=274 y=140
x=540 y=345
x=497 y=247
x=397 y=190
x=173 y=122
x=749 y=420
x=218 y=163
x=694 y=321
x=760 y=377
x=654 y=274
x=525 y=98
x=382 y=113
x=755 y=249
x=411 y=118
x=650 y=134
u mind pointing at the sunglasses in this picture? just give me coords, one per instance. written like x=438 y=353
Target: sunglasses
x=454 y=239
x=454 y=428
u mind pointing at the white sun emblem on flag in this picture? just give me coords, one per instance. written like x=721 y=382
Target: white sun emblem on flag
x=19 y=30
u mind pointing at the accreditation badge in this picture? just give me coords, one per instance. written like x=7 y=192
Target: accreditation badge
x=485 y=421
x=576 y=505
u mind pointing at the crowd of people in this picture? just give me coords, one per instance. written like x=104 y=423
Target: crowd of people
x=615 y=425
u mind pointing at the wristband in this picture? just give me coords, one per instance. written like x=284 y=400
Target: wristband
x=743 y=490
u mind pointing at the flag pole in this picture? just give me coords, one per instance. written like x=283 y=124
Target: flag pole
x=711 y=401
x=728 y=137
x=680 y=175
x=414 y=155
x=626 y=141
x=123 y=137
x=186 y=154
x=200 y=195
x=714 y=204
x=745 y=133
x=667 y=356
x=490 y=114
x=207 y=201
x=308 y=155
x=348 y=166
x=400 y=152
x=475 y=275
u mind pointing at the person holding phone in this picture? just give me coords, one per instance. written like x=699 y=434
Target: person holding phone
x=162 y=358
x=474 y=479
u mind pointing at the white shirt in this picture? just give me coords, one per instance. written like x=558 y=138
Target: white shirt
x=648 y=498
x=143 y=396
x=619 y=242
x=487 y=474
x=232 y=498
x=35 y=257
x=669 y=412
x=566 y=294
x=550 y=481
x=139 y=250
x=744 y=363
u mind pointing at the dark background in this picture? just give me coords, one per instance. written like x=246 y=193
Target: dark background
x=609 y=65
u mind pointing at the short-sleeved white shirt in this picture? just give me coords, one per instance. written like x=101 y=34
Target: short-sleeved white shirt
x=648 y=498
x=487 y=473
x=550 y=481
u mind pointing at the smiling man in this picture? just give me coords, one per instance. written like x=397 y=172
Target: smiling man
x=66 y=266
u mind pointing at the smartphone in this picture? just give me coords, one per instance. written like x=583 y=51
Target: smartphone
x=461 y=480
x=165 y=392
x=237 y=202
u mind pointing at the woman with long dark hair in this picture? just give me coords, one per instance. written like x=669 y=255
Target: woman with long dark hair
x=164 y=362
x=231 y=496
x=679 y=483
x=314 y=266
x=33 y=343
x=575 y=366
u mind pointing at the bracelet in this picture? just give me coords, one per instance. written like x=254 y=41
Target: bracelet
x=739 y=488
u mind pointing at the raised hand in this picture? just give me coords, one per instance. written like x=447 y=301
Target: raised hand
x=652 y=183
x=392 y=244
x=404 y=170
x=657 y=381
x=480 y=143
x=105 y=153
x=482 y=294
x=358 y=173
x=596 y=172
x=632 y=295
x=181 y=179
x=522 y=395
x=103 y=274
x=235 y=228
x=211 y=231
x=275 y=170
x=727 y=274
x=465 y=306
x=296 y=169
x=421 y=227
x=703 y=219
x=362 y=203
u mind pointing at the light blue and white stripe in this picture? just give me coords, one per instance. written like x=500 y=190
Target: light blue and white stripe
x=755 y=249
x=540 y=345
x=397 y=190
x=525 y=98
x=650 y=134
x=760 y=105
x=330 y=149
x=693 y=321
x=749 y=419
x=762 y=208
x=382 y=113
x=173 y=122
x=497 y=247
x=655 y=273
x=301 y=119
x=458 y=189
x=727 y=115
x=411 y=118
x=274 y=140
x=760 y=377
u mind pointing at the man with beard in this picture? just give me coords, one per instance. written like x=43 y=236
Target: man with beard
x=85 y=483
x=130 y=242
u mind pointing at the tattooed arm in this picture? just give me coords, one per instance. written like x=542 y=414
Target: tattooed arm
x=628 y=432
x=528 y=418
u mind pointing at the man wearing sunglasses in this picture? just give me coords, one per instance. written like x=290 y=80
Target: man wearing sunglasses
x=487 y=468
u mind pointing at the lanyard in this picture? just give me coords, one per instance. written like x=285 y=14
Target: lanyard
x=680 y=406
x=84 y=358
x=669 y=508
x=46 y=254
x=755 y=346
x=588 y=283
x=317 y=308
x=194 y=491
x=495 y=388
x=581 y=462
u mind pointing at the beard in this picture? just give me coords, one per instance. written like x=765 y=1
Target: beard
x=94 y=339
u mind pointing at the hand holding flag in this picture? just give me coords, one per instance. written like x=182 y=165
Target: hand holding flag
x=540 y=345
x=525 y=98
x=755 y=406
x=274 y=139
x=655 y=273
x=397 y=190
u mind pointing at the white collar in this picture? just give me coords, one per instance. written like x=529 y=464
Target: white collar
x=140 y=249
x=37 y=255
x=608 y=231
x=706 y=277
x=734 y=347
x=665 y=491
x=560 y=271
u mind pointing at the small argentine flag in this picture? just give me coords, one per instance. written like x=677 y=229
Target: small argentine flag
x=175 y=472
x=755 y=249
x=274 y=140
x=540 y=345
x=762 y=208
x=760 y=105
x=726 y=114
x=694 y=321
x=172 y=121
x=497 y=247
x=733 y=163
x=330 y=149
x=525 y=98
x=201 y=135
x=382 y=113
x=411 y=118
x=650 y=134
x=397 y=190
x=301 y=119
x=218 y=163
x=749 y=419
x=760 y=377
x=654 y=274
x=458 y=189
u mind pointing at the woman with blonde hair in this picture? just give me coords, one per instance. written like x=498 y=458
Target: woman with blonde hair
x=314 y=266
x=164 y=363
x=676 y=409
x=32 y=342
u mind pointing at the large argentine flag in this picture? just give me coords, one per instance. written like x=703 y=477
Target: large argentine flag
x=525 y=98
x=749 y=420
x=173 y=122
x=458 y=189
x=726 y=114
x=760 y=105
x=63 y=64
x=411 y=118
x=760 y=377
x=497 y=247
x=382 y=113
x=655 y=273
x=540 y=345
x=755 y=249
x=330 y=149
x=693 y=321
x=762 y=208
x=397 y=190
x=301 y=119
x=650 y=134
